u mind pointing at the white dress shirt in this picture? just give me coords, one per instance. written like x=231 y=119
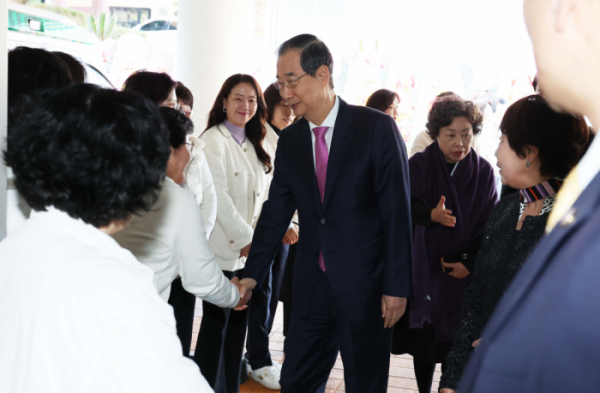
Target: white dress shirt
x=328 y=122
x=198 y=180
x=170 y=240
x=78 y=313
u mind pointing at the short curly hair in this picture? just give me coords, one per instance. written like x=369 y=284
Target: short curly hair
x=179 y=126
x=444 y=111
x=98 y=155
x=561 y=138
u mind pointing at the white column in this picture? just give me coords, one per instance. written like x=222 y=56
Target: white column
x=3 y=119
x=216 y=39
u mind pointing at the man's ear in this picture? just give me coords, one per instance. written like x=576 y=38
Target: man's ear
x=323 y=75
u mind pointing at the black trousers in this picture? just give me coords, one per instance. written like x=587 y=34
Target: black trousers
x=184 y=304
x=314 y=341
x=220 y=344
x=263 y=306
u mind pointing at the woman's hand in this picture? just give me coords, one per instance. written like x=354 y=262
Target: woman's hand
x=442 y=215
x=458 y=269
x=446 y=390
x=291 y=236
x=476 y=343
x=245 y=251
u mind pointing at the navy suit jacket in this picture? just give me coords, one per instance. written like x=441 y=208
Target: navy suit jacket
x=363 y=226
x=544 y=335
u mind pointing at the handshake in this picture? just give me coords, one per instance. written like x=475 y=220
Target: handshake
x=245 y=287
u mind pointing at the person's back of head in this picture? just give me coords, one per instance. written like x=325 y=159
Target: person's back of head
x=179 y=126
x=32 y=74
x=97 y=154
x=78 y=73
x=157 y=86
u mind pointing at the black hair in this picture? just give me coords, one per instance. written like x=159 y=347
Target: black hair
x=97 y=154
x=77 y=70
x=560 y=138
x=313 y=54
x=255 y=128
x=272 y=99
x=382 y=99
x=184 y=95
x=158 y=86
x=179 y=126
x=445 y=110
x=32 y=74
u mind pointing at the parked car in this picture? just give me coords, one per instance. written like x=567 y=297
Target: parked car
x=36 y=28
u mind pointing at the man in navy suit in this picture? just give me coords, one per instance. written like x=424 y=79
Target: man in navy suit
x=344 y=168
x=544 y=334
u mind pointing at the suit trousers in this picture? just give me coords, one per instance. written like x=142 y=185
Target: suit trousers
x=184 y=304
x=263 y=306
x=221 y=343
x=314 y=341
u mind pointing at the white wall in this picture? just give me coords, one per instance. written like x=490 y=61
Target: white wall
x=3 y=103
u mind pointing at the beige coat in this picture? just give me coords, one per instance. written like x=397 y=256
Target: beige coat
x=242 y=186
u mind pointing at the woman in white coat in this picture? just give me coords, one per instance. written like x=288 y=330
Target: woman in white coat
x=240 y=162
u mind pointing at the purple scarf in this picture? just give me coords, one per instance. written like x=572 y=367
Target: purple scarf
x=471 y=195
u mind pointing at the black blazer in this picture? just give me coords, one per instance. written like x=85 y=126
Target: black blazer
x=363 y=227
x=543 y=335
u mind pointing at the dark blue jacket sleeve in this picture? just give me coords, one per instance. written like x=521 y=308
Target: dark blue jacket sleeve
x=274 y=220
x=392 y=187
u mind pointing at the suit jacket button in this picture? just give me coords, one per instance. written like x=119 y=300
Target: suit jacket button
x=236 y=173
x=231 y=242
x=245 y=150
x=323 y=221
x=258 y=194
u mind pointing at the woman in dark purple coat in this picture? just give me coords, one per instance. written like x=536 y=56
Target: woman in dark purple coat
x=453 y=192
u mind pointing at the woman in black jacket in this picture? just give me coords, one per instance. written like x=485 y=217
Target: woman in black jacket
x=538 y=148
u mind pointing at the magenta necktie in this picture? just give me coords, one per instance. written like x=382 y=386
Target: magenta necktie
x=321 y=159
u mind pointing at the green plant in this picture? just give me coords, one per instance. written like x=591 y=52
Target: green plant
x=102 y=26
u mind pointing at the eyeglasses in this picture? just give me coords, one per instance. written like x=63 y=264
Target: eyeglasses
x=173 y=105
x=290 y=84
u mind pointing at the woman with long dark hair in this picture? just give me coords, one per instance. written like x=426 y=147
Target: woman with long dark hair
x=386 y=101
x=240 y=162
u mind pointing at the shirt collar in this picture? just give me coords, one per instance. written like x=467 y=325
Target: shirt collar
x=331 y=117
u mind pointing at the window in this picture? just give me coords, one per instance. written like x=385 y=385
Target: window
x=156 y=26
x=130 y=16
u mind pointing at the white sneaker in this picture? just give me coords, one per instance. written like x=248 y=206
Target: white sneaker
x=278 y=367
x=267 y=376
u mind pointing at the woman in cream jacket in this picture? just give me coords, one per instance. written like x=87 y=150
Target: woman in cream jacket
x=240 y=161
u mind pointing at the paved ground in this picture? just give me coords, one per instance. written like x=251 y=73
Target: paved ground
x=402 y=379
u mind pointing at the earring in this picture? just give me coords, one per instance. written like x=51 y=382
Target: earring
x=527 y=164
x=224 y=110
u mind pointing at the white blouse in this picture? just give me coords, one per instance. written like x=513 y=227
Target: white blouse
x=242 y=187
x=170 y=240
x=80 y=314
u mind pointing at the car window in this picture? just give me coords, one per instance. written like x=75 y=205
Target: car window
x=155 y=26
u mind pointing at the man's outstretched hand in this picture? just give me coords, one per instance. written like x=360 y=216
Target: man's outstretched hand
x=245 y=295
x=245 y=286
x=392 y=309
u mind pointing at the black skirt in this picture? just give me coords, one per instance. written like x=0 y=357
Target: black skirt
x=419 y=343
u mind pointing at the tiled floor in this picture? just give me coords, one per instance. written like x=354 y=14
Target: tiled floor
x=402 y=378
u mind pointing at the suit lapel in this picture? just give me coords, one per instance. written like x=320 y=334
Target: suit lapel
x=543 y=255
x=342 y=138
x=307 y=163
